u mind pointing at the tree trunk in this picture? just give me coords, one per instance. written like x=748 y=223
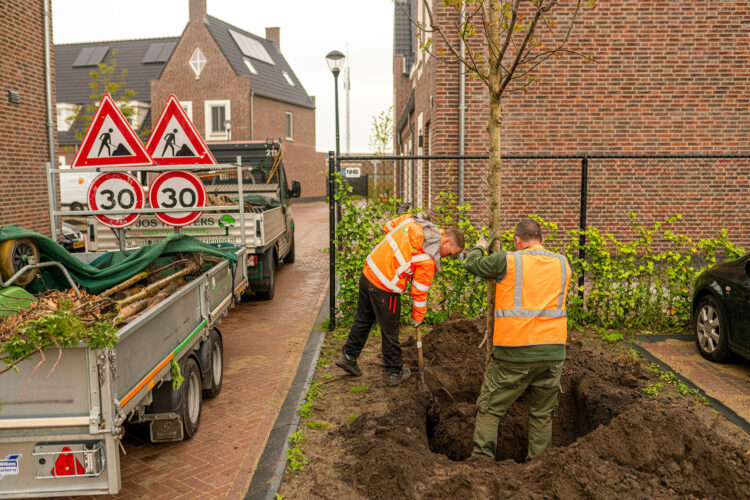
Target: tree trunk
x=494 y=127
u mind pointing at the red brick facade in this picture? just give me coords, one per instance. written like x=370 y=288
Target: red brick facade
x=671 y=78
x=253 y=117
x=24 y=145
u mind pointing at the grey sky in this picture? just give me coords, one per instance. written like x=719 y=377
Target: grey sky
x=309 y=30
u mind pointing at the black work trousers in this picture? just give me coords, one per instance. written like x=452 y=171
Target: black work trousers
x=385 y=307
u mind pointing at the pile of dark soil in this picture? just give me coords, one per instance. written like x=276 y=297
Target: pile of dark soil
x=610 y=439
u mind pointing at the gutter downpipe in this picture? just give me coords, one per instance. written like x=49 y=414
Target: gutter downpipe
x=252 y=110
x=51 y=179
x=461 y=109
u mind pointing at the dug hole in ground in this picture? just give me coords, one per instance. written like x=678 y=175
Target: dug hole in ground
x=621 y=431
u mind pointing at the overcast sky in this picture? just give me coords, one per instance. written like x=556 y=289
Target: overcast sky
x=309 y=30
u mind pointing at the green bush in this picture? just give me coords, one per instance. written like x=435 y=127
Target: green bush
x=628 y=284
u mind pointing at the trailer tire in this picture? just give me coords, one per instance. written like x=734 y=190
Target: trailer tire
x=216 y=365
x=14 y=254
x=191 y=404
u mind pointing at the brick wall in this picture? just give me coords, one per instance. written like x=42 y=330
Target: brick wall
x=23 y=127
x=301 y=161
x=671 y=78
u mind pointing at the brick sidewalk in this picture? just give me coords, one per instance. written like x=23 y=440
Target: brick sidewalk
x=263 y=342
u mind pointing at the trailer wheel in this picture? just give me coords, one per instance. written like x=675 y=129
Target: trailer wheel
x=191 y=398
x=14 y=254
x=216 y=368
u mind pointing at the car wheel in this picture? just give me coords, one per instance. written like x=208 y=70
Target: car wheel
x=710 y=328
x=76 y=206
x=191 y=398
x=216 y=372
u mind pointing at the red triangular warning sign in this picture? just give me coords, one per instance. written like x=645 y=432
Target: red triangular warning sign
x=174 y=140
x=110 y=140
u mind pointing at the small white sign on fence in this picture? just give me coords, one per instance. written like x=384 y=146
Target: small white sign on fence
x=351 y=171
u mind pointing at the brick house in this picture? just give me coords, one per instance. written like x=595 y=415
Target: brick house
x=234 y=85
x=671 y=78
x=24 y=136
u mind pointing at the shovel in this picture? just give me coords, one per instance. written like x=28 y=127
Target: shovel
x=420 y=361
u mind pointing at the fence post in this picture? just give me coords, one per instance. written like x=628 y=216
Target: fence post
x=582 y=219
x=332 y=238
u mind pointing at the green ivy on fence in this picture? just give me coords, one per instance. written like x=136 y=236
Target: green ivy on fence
x=628 y=284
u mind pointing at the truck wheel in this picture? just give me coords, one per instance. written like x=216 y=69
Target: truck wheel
x=191 y=398
x=216 y=368
x=268 y=293
x=14 y=254
x=289 y=259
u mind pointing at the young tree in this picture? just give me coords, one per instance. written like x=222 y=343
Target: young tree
x=106 y=80
x=381 y=132
x=505 y=41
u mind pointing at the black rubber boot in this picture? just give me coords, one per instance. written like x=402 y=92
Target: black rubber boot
x=349 y=365
x=396 y=378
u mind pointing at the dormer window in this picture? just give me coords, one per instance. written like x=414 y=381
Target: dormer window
x=197 y=62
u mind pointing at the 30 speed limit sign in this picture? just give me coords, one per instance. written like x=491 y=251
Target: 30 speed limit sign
x=116 y=191
x=177 y=188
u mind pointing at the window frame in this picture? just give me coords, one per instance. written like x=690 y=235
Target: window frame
x=289 y=125
x=208 y=118
x=201 y=61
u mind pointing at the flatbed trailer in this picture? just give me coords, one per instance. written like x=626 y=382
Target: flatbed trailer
x=60 y=435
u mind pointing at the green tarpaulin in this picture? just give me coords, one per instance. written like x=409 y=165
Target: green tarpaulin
x=109 y=269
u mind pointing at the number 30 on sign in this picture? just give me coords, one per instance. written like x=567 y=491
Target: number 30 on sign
x=116 y=191
x=177 y=188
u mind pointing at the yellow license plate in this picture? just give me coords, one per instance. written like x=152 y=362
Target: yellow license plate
x=77 y=244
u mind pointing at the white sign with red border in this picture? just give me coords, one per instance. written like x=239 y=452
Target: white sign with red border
x=110 y=141
x=175 y=141
x=116 y=191
x=177 y=188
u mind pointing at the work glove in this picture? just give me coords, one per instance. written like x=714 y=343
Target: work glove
x=415 y=323
x=483 y=243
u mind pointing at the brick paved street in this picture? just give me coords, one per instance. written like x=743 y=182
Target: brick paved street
x=263 y=342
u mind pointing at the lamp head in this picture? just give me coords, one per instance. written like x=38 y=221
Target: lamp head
x=335 y=60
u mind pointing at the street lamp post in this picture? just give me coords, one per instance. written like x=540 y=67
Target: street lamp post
x=335 y=60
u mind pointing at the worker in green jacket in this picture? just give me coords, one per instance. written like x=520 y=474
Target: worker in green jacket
x=530 y=332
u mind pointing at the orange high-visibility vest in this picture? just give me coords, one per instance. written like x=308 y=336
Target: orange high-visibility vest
x=399 y=258
x=530 y=300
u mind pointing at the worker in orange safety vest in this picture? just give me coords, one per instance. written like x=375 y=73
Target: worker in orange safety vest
x=411 y=251
x=530 y=332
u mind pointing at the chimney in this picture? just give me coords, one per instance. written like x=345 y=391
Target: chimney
x=274 y=35
x=197 y=10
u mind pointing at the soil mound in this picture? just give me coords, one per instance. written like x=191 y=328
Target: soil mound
x=609 y=438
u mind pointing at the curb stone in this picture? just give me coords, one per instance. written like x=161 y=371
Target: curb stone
x=727 y=412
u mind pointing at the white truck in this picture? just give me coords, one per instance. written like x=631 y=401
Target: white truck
x=61 y=435
x=269 y=223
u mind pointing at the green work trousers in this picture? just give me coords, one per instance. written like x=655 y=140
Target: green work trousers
x=503 y=383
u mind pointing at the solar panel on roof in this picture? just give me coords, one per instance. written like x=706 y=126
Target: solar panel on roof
x=158 y=52
x=83 y=57
x=251 y=48
x=97 y=55
x=90 y=56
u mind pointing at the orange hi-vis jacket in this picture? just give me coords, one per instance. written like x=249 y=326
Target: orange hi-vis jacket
x=530 y=300
x=398 y=258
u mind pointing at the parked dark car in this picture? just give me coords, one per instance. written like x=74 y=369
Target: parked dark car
x=71 y=238
x=721 y=310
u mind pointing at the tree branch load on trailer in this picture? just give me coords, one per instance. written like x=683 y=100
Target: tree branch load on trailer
x=92 y=341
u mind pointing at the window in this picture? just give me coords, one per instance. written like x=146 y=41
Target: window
x=197 y=61
x=289 y=126
x=66 y=114
x=288 y=78
x=250 y=66
x=218 y=114
x=140 y=110
x=187 y=107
